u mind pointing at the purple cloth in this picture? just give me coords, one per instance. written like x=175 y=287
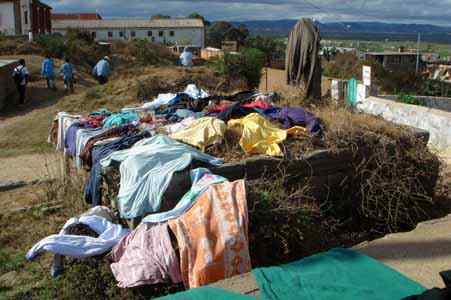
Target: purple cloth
x=71 y=137
x=295 y=116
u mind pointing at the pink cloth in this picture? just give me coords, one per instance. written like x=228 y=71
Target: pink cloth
x=260 y=104
x=145 y=256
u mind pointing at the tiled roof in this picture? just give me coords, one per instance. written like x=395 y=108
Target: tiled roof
x=76 y=16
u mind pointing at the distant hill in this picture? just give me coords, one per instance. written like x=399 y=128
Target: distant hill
x=363 y=30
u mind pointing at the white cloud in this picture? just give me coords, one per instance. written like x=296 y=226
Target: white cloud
x=406 y=11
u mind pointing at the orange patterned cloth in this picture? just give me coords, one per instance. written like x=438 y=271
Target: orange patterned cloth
x=212 y=235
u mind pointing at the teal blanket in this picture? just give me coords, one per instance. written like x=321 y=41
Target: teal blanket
x=337 y=274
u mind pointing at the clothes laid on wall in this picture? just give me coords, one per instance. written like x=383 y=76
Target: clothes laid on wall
x=81 y=246
x=146 y=171
x=145 y=257
x=213 y=235
x=201 y=179
x=258 y=135
x=93 y=187
x=202 y=133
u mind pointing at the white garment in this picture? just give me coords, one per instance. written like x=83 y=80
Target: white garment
x=81 y=246
x=194 y=92
x=147 y=169
x=176 y=127
x=64 y=122
x=162 y=99
x=100 y=211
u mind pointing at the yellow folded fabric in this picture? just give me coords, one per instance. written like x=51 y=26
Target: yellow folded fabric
x=258 y=135
x=297 y=131
x=202 y=133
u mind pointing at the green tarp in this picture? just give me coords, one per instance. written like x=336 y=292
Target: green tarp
x=207 y=293
x=337 y=274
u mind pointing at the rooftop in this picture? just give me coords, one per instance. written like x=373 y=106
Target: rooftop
x=128 y=23
x=76 y=16
x=390 y=53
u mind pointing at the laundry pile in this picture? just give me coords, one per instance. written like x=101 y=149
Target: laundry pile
x=197 y=239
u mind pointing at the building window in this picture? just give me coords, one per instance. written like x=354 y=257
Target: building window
x=110 y=34
x=93 y=34
x=25 y=17
x=149 y=33
x=133 y=34
x=160 y=33
x=153 y=39
x=171 y=33
x=121 y=33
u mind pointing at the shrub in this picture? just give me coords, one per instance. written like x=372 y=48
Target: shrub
x=246 y=65
x=54 y=46
x=409 y=99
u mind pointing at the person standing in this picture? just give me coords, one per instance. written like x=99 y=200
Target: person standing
x=186 y=58
x=102 y=70
x=20 y=76
x=67 y=70
x=48 y=72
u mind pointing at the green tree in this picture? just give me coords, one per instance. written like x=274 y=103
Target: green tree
x=196 y=15
x=160 y=16
x=216 y=33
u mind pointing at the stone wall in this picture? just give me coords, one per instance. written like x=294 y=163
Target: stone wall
x=436 y=122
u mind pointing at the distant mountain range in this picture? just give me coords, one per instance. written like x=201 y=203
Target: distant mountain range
x=371 y=30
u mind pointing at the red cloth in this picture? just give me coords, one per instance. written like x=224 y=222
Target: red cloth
x=95 y=121
x=259 y=104
x=222 y=106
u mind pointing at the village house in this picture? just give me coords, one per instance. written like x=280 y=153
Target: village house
x=182 y=32
x=395 y=61
x=20 y=17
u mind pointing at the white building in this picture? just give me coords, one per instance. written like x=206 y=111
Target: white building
x=19 y=17
x=168 y=31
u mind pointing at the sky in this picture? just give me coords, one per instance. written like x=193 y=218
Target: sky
x=436 y=12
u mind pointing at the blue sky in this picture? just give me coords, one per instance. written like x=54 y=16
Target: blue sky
x=397 y=11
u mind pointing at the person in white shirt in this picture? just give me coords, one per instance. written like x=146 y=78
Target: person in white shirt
x=186 y=58
x=20 y=76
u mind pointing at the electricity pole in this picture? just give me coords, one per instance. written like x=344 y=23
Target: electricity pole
x=418 y=52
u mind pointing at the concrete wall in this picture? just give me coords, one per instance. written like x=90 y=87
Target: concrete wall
x=184 y=36
x=441 y=103
x=7 y=87
x=7 y=20
x=436 y=122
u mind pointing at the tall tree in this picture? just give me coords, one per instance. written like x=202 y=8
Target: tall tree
x=216 y=33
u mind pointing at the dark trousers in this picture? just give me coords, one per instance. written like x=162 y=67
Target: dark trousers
x=21 y=89
x=102 y=79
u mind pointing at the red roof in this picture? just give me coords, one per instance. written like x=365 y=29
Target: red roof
x=76 y=16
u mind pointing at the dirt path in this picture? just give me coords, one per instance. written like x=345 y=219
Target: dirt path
x=30 y=167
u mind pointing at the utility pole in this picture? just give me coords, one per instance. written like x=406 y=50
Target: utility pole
x=418 y=52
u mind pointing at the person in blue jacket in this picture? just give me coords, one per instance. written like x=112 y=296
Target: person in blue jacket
x=102 y=70
x=48 y=72
x=67 y=70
